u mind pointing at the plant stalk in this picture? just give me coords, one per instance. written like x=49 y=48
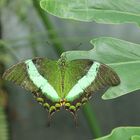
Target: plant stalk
x=92 y=120
x=48 y=25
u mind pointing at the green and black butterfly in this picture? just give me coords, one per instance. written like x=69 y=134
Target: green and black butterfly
x=62 y=84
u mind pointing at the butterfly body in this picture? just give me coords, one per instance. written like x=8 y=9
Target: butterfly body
x=62 y=84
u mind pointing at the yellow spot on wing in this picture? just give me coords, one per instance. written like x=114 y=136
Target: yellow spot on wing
x=40 y=100
x=52 y=108
x=46 y=105
x=72 y=108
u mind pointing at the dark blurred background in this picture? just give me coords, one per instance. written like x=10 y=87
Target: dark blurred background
x=24 y=36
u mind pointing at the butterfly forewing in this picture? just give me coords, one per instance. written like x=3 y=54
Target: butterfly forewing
x=50 y=70
x=96 y=76
x=27 y=75
x=74 y=71
x=18 y=75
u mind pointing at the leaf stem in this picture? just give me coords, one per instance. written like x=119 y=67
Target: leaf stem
x=48 y=25
x=92 y=120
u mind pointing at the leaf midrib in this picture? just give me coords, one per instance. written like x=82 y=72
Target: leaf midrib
x=111 y=11
x=123 y=63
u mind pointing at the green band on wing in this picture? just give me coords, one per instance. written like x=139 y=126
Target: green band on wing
x=41 y=82
x=84 y=82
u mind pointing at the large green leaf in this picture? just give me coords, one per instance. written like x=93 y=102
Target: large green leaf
x=103 y=11
x=123 y=133
x=122 y=56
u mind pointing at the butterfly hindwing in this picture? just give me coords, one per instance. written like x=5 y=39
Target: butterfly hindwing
x=50 y=71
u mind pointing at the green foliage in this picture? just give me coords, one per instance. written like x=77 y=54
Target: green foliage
x=103 y=11
x=122 y=56
x=123 y=133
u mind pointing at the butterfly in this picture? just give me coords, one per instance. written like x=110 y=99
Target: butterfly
x=62 y=84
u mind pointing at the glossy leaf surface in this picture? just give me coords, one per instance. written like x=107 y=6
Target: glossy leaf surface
x=103 y=11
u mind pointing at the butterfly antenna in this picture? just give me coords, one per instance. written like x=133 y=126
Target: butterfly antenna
x=80 y=44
